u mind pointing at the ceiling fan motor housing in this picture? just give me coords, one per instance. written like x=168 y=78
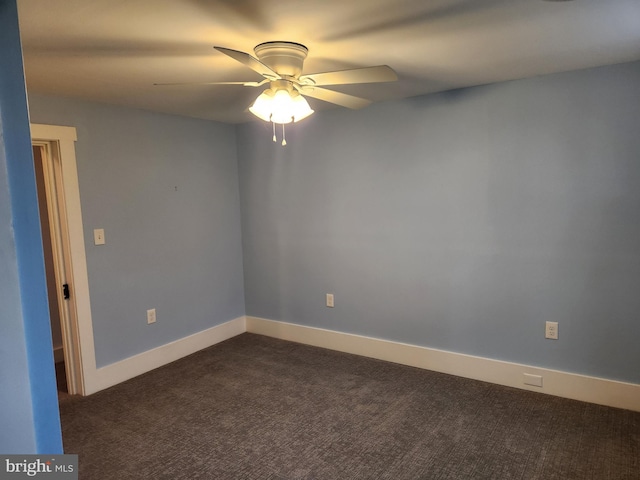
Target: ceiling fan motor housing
x=284 y=58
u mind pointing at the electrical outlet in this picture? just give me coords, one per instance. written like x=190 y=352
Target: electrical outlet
x=551 y=330
x=330 y=300
x=534 y=380
x=151 y=316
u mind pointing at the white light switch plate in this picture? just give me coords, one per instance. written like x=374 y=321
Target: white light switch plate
x=98 y=236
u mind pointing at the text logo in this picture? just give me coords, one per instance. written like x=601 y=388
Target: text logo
x=51 y=467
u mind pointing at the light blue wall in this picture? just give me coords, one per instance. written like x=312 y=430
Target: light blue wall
x=16 y=417
x=460 y=221
x=165 y=189
x=29 y=420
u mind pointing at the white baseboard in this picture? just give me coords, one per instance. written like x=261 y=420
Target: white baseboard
x=562 y=384
x=128 y=368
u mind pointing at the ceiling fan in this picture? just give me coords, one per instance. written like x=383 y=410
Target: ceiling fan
x=280 y=63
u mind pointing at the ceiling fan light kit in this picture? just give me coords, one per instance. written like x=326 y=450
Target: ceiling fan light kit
x=280 y=104
x=284 y=105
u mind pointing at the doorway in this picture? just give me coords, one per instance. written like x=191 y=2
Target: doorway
x=53 y=182
x=57 y=154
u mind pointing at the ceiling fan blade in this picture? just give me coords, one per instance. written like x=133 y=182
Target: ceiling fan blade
x=246 y=84
x=251 y=62
x=377 y=74
x=332 y=96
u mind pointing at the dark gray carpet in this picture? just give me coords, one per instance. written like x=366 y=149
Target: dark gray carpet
x=259 y=408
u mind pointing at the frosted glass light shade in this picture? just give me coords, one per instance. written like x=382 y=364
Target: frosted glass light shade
x=281 y=106
x=301 y=108
x=261 y=107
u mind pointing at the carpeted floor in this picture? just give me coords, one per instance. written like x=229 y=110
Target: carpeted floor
x=259 y=408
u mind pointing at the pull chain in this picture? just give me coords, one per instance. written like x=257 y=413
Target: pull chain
x=274 y=138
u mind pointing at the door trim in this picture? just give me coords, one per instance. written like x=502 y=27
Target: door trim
x=62 y=140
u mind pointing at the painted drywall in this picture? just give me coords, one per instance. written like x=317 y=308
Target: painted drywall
x=29 y=419
x=16 y=418
x=165 y=190
x=460 y=221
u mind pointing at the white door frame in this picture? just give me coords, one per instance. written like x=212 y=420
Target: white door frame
x=61 y=177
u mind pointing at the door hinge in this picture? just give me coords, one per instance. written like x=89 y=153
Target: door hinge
x=65 y=291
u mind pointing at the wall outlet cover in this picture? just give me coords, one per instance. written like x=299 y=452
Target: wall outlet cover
x=330 y=300
x=534 y=380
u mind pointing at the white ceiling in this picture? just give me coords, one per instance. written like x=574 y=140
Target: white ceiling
x=113 y=51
